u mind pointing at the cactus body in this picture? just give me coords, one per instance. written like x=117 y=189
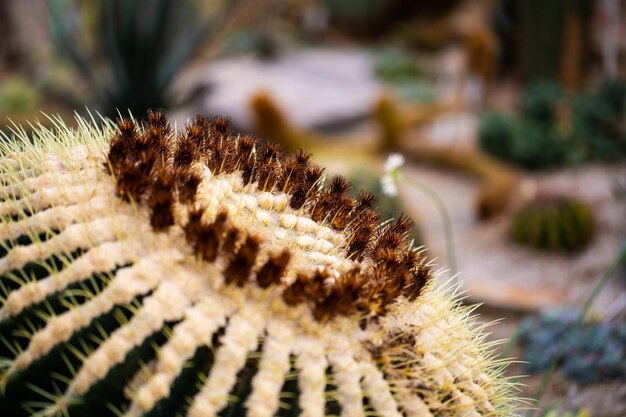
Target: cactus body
x=153 y=272
x=554 y=223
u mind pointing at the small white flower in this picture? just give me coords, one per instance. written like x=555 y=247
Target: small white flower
x=388 y=185
x=392 y=172
x=393 y=163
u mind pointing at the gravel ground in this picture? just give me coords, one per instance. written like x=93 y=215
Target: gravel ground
x=500 y=272
x=513 y=281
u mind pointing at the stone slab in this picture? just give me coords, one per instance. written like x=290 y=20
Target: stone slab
x=315 y=87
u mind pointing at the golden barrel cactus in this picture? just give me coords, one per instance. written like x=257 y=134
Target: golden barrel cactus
x=147 y=271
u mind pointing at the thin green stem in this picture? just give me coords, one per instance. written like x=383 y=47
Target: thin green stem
x=579 y=321
x=508 y=347
x=445 y=218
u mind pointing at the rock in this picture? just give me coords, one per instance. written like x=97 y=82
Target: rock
x=315 y=87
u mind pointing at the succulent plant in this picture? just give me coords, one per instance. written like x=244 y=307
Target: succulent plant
x=556 y=130
x=404 y=74
x=153 y=272
x=593 y=352
x=363 y=17
x=600 y=121
x=537 y=145
x=17 y=95
x=555 y=223
x=539 y=101
x=495 y=134
x=533 y=140
x=525 y=142
x=142 y=46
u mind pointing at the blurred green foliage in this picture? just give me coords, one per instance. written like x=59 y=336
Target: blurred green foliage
x=594 y=352
x=362 y=17
x=539 y=100
x=543 y=25
x=130 y=51
x=404 y=73
x=530 y=144
x=556 y=130
x=544 y=37
x=554 y=223
x=396 y=65
x=539 y=146
x=495 y=133
x=17 y=95
x=371 y=18
x=600 y=121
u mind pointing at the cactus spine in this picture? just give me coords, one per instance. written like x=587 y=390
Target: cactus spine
x=153 y=272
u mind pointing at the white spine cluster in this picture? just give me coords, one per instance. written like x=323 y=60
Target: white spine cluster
x=423 y=358
x=268 y=382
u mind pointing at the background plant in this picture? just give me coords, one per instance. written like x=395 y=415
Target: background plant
x=404 y=74
x=555 y=130
x=530 y=144
x=16 y=94
x=531 y=141
x=570 y=331
x=129 y=52
x=593 y=352
x=554 y=223
x=599 y=121
x=539 y=100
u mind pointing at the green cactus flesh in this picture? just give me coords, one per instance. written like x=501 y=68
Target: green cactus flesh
x=146 y=271
x=554 y=223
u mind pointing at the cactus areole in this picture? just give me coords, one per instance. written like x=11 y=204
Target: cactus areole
x=147 y=271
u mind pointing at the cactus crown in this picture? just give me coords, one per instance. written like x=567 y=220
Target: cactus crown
x=132 y=248
x=362 y=268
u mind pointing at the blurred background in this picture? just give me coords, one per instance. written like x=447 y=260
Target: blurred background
x=510 y=115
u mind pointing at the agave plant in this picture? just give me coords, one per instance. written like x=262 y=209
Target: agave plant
x=153 y=272
x=140 y=46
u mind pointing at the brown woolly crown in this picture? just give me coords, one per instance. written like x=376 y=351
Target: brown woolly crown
x=153 y=165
